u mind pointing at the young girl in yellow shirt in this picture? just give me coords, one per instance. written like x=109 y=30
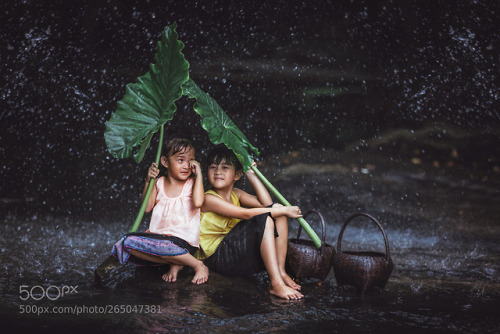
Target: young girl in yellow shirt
x=242 y=234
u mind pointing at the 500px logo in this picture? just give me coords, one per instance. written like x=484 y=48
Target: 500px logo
x=51 y=292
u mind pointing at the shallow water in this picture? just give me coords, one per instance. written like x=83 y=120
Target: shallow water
x=445 y=277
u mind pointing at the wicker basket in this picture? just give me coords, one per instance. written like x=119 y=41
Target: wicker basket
x=304 y=260
x=363 y=270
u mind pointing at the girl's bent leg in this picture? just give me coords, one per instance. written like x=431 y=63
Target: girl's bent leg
x=148 y=257
x=281 y=249
x=269 y=256
x=201 y=271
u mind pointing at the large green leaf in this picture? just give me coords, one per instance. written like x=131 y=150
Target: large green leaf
x=220 y=128
x=149 y=102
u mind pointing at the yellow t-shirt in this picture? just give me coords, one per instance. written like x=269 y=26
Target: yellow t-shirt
x=214 y=227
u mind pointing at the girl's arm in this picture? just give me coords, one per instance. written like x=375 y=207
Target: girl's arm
x=152 y=174
x=262 y=198
x=198 y=190
x=218 y=205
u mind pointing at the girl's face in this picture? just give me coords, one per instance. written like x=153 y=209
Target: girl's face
x=223 y=175
x=179 y=164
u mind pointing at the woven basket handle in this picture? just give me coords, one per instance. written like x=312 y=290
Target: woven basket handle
x=339 y=241
x=323 y=234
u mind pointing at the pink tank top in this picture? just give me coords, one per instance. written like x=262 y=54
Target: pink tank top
x=176 y=216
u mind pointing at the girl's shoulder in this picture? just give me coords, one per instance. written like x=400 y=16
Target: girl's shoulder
x=216 y=194
x=189 y=182
x=234 y=196
x=238 y=192
x=160 y=182
x=211 y=192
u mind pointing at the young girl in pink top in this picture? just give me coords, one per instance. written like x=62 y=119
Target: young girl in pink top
x=174 y=230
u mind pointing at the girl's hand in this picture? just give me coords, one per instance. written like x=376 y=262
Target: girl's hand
x=153 y=172
x=289 y=211
x=292 y=211
x=195 y=167
x=250 y=172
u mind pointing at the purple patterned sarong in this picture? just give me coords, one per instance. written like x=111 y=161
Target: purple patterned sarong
x=149 y=243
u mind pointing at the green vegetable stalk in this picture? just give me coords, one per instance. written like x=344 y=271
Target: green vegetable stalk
x=138 y=219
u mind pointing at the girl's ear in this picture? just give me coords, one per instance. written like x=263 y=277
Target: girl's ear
x=238 y=175
x=164 y=161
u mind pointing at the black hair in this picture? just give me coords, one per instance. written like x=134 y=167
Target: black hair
x=176 y=145
x=221 y=152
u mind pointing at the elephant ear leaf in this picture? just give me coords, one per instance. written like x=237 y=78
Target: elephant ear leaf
x=220 y=128
x=150 y=102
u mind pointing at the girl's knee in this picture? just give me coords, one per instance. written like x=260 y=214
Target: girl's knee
x=280 y=221
x=269 y=222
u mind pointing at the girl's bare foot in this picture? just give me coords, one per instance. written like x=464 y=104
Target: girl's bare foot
x=200 y=274
x=285 y=292
x=290 y=282
x=171 y=275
